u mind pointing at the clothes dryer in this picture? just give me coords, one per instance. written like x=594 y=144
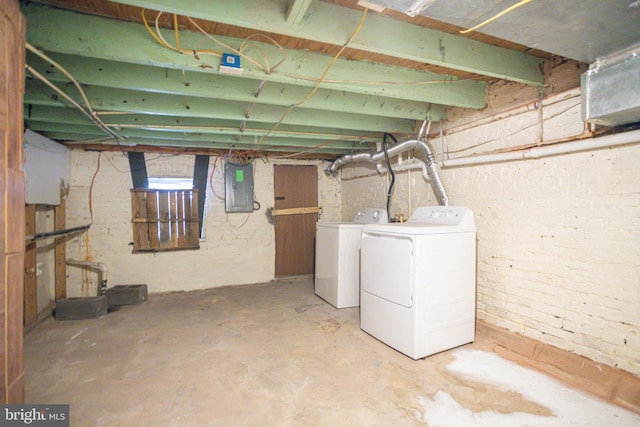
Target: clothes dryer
x=418 y=281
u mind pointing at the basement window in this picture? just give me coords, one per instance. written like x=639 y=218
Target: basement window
x=170 y=183
x=165 y=216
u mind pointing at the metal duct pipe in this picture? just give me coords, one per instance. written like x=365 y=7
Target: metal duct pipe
x=401 y=147
x=405 y=167
x=97 y=265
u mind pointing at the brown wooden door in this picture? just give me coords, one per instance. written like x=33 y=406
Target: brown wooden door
x=12 y=222
x=295 y=187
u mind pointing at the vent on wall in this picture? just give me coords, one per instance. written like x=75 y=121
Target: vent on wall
x=610 y=89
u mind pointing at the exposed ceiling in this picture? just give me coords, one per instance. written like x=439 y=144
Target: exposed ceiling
x=582 y=30
x=396 y=72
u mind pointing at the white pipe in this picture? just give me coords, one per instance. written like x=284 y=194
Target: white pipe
x=92 y=264
x=615 y=140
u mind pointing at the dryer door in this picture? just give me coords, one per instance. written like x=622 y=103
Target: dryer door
x=386 y=264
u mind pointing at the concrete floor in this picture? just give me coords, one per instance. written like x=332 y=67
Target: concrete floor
x=276 y=355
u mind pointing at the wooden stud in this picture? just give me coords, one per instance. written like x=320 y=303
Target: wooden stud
x=60 y=250
x=30 y=267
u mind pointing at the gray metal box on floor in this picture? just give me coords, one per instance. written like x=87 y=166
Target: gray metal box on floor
x=81 y=308
x=127 y=294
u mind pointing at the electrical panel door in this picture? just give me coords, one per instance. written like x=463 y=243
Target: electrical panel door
x=238 y=188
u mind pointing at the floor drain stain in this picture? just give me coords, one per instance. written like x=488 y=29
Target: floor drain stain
x=330 y=325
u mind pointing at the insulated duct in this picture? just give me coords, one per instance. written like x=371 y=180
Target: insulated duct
x=401 y=147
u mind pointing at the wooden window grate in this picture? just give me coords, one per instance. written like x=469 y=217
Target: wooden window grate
x=165 y=220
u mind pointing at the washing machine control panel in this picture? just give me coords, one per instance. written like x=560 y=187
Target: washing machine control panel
x=442 y=215
x=371 y=216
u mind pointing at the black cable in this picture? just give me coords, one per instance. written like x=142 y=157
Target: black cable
x=393 y=175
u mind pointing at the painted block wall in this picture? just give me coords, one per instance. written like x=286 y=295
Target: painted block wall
x=558 y=237
x=239 y=247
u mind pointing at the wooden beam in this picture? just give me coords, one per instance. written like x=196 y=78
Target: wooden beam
x=103 y=73
x=133 y=101
x=63 y=32
x=30 y=271
x=190 y=151
x=296 y=211
x=296 y=10
x=61 y=249
x=333 y=24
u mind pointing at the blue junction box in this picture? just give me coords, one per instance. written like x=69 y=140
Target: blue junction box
x=230 y=60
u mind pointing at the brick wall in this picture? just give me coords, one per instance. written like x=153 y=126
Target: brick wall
x=558 y=237
x=233 y=241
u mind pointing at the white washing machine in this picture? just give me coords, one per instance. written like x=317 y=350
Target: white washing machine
x=418 y=281
x=337 y=270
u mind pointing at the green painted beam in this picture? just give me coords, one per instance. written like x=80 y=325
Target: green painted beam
x=163 y=80
x=329 y=23
x=296 y=10
x=94 y=132
x=71 y=33
x=79 y=138
x=65 y=115
x=109 y=99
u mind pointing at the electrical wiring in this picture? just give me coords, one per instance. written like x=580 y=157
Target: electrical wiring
x=176 y=32
x=521 y=129
x=113 y=165
x=237 y=52
x=93 y=180
x=215 y=163
x=158 y=38
x=241 y=225
x=390 y=169
x=235 y=129
x=157 y=35
x=89 y=112
x=91 y=117
x=267 y=68
x=97 y=140
x=316 y=147
x=493 y=18
x=322 y=78
x=86 y=282
x=335 y=58
x=380 y=83
x=64 y=71
x=113 y=113
x=282 y=51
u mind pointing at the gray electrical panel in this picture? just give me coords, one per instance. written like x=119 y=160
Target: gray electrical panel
x=238 y=188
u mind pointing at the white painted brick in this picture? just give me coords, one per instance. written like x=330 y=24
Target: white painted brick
x=558 y=237
x=232 y=253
